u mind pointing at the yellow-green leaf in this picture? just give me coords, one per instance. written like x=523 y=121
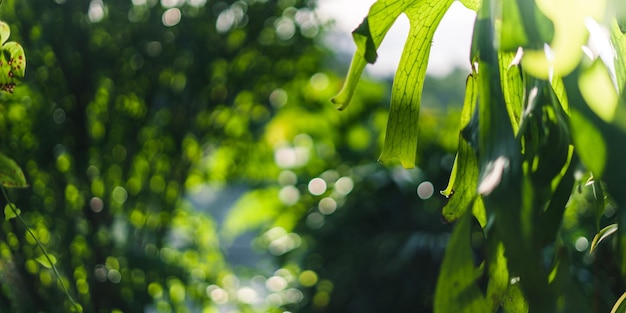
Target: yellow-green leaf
x=43 y=260
x=424 y=17
x=601 y=235
x=368 y=36
x=11 y=175
x=402 y=135
x=462 y=185
x=12 y=61
x=570 y=34
x=9 y=212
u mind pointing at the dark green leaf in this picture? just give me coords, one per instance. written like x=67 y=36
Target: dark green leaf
x=456 y=289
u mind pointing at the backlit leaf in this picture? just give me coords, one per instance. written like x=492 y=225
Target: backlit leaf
x=10 y=213
x=402 y=135
x=424 y=17
x=618 y=39
x=45 y=262
x=11 y=175
x=601 y=235
x=462 y=185
x=570 y=34
x=514 y=301
x=12 y=61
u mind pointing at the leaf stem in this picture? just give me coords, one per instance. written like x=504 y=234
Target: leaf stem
x=40 y=245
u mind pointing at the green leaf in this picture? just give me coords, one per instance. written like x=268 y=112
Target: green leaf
x=512 y=86
x=514 y=301
x=598 y=91
x=424 y=17
x=618 y=39
x=462 y=185
x=9 y=213
x=473 y=5
x=11 y=175
x=402 y=135
x=498 y=274
x=570 y=34
x=512 y=35
x=368 y=36
x=45 y=262
x=246 y=214
x=456 y=289
x=12 y=61
x=601 y=235
x=508 y=195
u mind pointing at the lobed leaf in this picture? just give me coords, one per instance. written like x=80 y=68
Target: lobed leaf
x=402 y=131
x=368 y=37
x=424 y=16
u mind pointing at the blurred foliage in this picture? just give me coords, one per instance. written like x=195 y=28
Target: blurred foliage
x=182 y=156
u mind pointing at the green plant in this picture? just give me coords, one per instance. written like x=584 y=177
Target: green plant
x=12 y=70
x=542 y=137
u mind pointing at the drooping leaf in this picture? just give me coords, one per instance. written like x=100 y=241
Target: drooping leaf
x=12 y=61
x=402 y=135
x=11 y=175
x=368 y=36
x=462 y=185
x=601 y=235
x=456 y=289
x=512 y=86
x=507 y=194
x=424 y=17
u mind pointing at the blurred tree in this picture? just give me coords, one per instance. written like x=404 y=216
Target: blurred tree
x=125 y=104
x=135 y=114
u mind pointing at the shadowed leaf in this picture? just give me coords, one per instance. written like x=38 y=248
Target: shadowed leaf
x=11 y=175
